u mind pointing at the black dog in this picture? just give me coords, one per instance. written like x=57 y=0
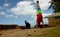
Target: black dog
x=27 y=24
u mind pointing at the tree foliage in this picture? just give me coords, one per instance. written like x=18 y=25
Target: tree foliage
x=55 y=4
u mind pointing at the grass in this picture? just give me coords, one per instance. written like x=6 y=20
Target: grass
x=49 y=33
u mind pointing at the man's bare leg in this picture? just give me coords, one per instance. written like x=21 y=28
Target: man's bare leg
x=36 y=25
x=43 y=24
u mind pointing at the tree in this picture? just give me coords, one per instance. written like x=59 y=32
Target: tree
x=55 y=4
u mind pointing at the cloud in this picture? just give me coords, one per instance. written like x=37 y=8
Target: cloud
x=43 y=4
x=9 y=16
x=6 y=5
x=45 y=14
x=27 y=0
x=23 y=8
x=2 y=13
x=42 y=1
x=1 y=8
x=6 y=0
x=16 y=17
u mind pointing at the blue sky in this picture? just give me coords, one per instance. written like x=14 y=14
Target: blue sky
x=17 y=11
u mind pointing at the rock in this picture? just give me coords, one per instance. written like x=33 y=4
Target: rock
x=34 y=30
x=29 y=34
x=0 y=33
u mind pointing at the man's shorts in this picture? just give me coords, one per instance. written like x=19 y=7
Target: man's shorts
x=39 y=18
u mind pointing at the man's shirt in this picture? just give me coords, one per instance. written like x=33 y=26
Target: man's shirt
x=39 y=11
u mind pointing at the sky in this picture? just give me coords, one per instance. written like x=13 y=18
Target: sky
x=17 y=11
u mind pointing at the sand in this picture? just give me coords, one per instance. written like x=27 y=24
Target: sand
x=23 y=33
